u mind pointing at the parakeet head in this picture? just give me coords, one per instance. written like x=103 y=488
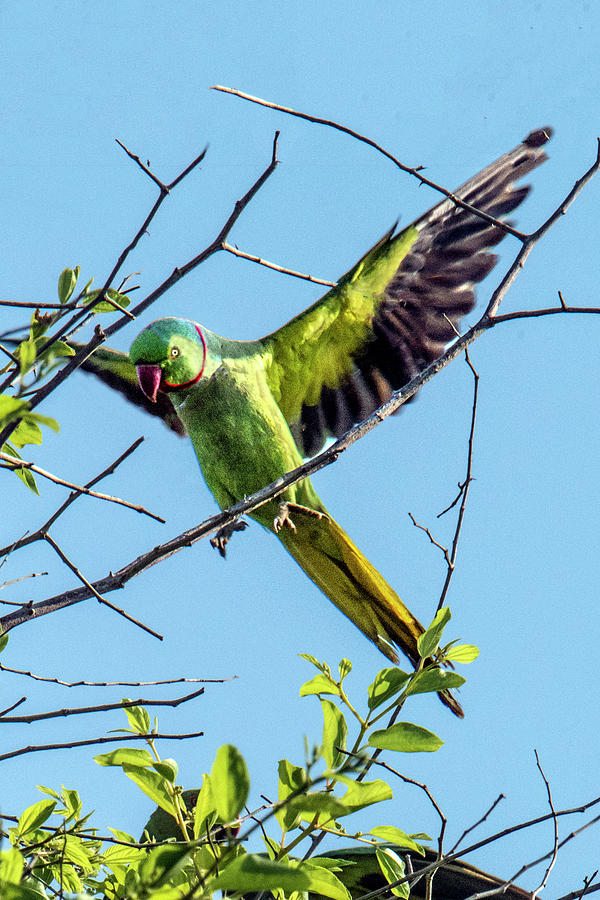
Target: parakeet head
x=169 y=355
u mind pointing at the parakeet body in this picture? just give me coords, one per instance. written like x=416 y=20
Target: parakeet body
x=255 y=409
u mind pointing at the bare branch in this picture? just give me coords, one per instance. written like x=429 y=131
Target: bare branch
x=14 y=706
x=410 y=170
x=70 y=684
x=107 y=707
x=552 y=862
x=69 y=745
x=270 y=265
x=13 y=463
x=91 y=588
x=464 y=487
x=479 y=822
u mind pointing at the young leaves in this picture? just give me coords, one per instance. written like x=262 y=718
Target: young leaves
x=229 y=781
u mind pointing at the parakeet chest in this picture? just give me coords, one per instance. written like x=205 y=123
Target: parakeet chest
x=239 y=434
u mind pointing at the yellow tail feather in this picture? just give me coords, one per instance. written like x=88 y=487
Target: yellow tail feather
x=354 y=585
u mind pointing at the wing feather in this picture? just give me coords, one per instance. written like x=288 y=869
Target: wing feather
x=396 y=310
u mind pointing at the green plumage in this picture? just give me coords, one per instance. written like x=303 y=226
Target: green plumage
x=255 y=409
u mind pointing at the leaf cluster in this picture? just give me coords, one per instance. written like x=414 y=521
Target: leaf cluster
x=195 y=843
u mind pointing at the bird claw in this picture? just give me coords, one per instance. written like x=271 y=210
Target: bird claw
x=224 y=535
x=283 y=518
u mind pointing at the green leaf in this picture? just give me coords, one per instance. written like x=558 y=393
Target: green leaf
x=104 y=305
x=335 y=732
x=73 y=852
x=26 y=432
x=311 y=659
x=66 y=283
x=11 y=408
x=3 y=640
x=73 y=804
x=56 y=350
x=153 y=786
x=230 y=782
x=320 y=803
x=405 y=737
x=363 y=793
x=320 y=684
x=43 y=420
x=24 y=474
x=125 y=755
x=27 y=891
x=161 y=864
x=386 y=685
x=11 y=866
x=324 y=882
x=394 y=835
x=206 y=811
x=118 y=855
x=393 y=868
x=34 y=816
x=122 y=835
x=291 y=779
x=463 y=653
x=168 y=768
x=257 y=873
x=428 y=643
x=138 y=717
x=434 y=680
x=27 y=479
x=345 y=668
x=26 y=352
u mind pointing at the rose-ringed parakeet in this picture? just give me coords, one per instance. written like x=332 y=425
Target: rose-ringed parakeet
x=255 y=409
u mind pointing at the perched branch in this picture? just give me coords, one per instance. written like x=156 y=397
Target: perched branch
x=210 y=526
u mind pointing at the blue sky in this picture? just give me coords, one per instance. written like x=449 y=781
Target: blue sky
x=446 y=86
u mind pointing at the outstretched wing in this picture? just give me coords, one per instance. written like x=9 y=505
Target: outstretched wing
x=396 y=310
x=117 y=371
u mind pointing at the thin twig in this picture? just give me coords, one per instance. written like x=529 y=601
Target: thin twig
x=70 y=684
x=13 y=463
x=464 y=488
x=270 y=265
x=552 y=862
x=69 y=745
x=71 y=565
x=106 y=707
x=14 y=706
x=479 y=822
x=415 y=171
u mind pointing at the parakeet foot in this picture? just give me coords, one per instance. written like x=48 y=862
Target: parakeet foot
x=283 y=517
x=224 y=535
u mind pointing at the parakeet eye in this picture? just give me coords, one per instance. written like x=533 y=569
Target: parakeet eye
x=174 y=352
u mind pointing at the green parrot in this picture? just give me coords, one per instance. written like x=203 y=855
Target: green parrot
x=255 y=409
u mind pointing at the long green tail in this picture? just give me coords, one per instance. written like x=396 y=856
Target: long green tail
x=340 y=570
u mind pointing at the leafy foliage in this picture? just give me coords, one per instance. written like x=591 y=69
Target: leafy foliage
x=197 y=840
x=37 y=357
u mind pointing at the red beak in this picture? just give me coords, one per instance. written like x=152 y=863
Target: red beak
x=149 y=378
